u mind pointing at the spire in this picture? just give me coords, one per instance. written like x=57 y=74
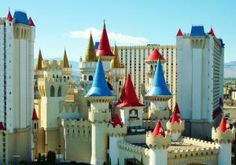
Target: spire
x=155 y=55
x=211 y=32
x=40 y=61
x=1 y=126
x=159 y=87
x=128 y=96
x=90 y=54
x=104 y=46
x=177 y=108
x=65 y=60
x=222 y=127
x=34 y=115
x=158 y=129
x=115 y=62
x=9 y=16
x=31 y=22
x=116 y=120
x=99 y=85
x=174 y=118
x=179 y=33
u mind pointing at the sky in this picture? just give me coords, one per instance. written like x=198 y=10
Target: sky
x=66 y=24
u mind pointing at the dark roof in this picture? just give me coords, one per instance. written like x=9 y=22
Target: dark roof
x=197 y=31
x=21 y=17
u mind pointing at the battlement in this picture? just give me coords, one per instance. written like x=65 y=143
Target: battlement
x=133 y=148
x=117 y=130
x=76 y=127
x=223 y=137
x=190 y=147
x=158 y=141
x=153 y=114
x=175 y=127
x=99 y=116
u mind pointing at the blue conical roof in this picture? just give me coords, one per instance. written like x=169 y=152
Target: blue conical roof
x=159 y=87
x=99 y=85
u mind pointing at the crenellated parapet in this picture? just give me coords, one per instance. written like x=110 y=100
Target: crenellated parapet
x=158 y=141
x=100 y=117
x=76 y=127
x=222 y=137
x=175 y=127
x=189 y=148
x=133 y=148
x=117 y=131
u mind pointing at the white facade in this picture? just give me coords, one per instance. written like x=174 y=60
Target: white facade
x=200 y=76
x=16 y=79
x=133 y=58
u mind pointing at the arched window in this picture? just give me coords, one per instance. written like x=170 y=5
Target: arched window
x=151 y=68
x=90 y=78
x=52 y=91
x=59 y=92
x=85 y=77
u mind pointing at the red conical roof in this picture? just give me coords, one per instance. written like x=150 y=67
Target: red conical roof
x=31 y=22
x=34 y=115
x=155 y=55
x=9 y=16
x=104 y=48
x=128 y=97
x=222 y=127
x=158 y=130
x=116 y=120
x=211 y=32
x=1 y=126
x=174 y=117
x=177 y=108
x=179 y=33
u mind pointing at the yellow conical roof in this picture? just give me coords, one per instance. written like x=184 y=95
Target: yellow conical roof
x=40 y=61
x=90 y=54
x=65 y=60
x=115 y=62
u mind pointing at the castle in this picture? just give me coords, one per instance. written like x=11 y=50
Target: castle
x=102 y=121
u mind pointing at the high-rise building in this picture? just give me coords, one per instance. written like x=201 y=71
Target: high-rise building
x=17 y=34
x=133 y=58
x=200 y=61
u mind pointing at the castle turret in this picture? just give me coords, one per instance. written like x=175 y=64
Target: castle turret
x=117 y=131
x=34 y=128
x=158 y=95
x=151 y=62
x=88 y=65
x=158 y=142
x=131 y=110
x=99 y=97
x=117 y=72
x=175 y=126
x=104 y=50
x=224 y=137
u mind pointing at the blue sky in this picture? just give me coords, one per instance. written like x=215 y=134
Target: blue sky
x=64 y=24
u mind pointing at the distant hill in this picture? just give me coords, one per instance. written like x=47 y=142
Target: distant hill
x=230 y=69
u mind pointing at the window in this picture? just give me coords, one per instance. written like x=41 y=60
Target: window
x=59 y=92
x=52 y=91
x=90 y=78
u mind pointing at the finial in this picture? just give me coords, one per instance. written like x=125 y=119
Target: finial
x=104 y=23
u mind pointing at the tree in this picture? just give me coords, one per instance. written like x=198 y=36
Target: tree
x=51 y=157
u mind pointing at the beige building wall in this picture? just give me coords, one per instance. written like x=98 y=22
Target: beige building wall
x=133 y=58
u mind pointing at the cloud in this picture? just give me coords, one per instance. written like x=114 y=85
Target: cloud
x=113 y=37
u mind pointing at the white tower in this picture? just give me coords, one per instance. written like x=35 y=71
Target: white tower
x=224 y=137
x=17 y=36
x=200 y=58
x=117 y=74
x=117 y=131
x=88 y=65
x=158 y=95
x=99 y=97
x=158 y=142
